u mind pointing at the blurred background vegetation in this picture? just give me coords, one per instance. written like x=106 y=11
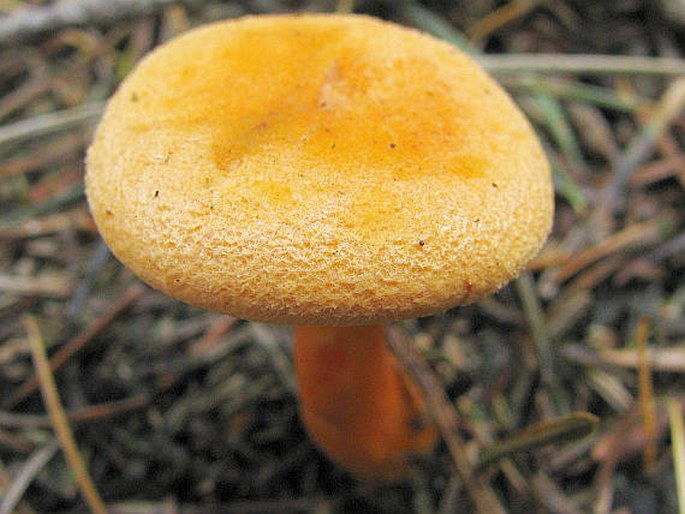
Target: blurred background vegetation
x=176 y=410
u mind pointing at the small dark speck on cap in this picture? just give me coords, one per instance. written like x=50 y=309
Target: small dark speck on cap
x=157 y=193
x=422 y=242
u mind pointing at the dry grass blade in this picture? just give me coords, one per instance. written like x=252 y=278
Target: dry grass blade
x=32 y=466
x=583 y=64
x=658 y=359
x=59 y=419
x=49 y=123
x=675 y=413
x=647 y=404
x=30 y=22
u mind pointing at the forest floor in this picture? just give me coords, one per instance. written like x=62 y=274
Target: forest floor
x=177 y=410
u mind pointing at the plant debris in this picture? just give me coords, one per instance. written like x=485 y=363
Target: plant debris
x=173 y=409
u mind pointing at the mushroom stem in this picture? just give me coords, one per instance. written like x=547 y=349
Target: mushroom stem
x=356 y=403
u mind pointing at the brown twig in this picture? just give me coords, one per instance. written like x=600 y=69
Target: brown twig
x=129 y=297
x=629 y=237
x=58 y=149
x=87 y=414
x=445 y=418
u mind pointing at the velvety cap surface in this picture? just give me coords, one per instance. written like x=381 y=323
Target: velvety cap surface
x=317 y=169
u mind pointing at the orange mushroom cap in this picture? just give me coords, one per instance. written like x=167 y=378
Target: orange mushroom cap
x=317 y=169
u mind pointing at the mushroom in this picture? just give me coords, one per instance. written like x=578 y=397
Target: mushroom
x=333 y=172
